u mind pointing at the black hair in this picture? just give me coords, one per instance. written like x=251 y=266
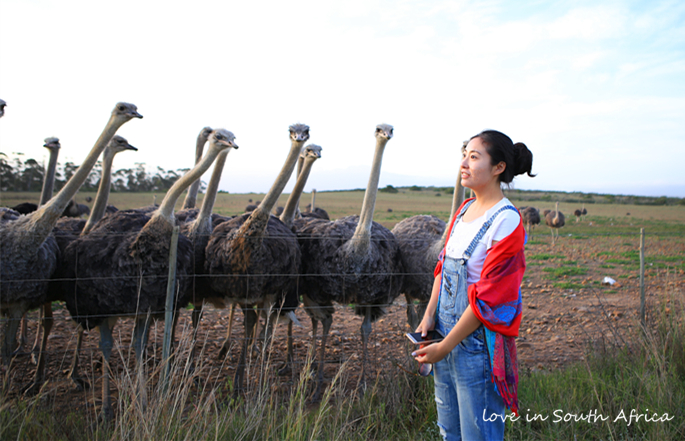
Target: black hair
x=517 y=157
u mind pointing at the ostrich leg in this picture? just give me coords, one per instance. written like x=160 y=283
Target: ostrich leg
x=140 y=335
x=74 y=376
x=11 y=325
x=250 y=321
x=39 y=377
x=366 y=331
x=412 y=318
x=326 y=322
x=287 y=368
x=227 y=342
x=106 y=344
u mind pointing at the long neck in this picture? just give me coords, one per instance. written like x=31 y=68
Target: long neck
x=363 y=232
x=100 y=205
x=44 y=219
x=457 y=200
x=166 y=208
x=313 y=199
x=202 y=224
x=277 y=188
x=288 y=215
x=49 y=181
x=191 y=196
x=556 y=213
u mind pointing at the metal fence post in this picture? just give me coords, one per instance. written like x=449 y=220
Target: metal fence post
x=169 y=310
x=642 y=276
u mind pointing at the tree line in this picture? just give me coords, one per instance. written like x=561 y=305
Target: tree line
x=19 y=174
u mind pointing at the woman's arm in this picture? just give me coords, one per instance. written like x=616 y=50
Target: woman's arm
x=468 y=322
x=428 y=321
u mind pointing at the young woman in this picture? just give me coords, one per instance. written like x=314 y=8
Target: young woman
x=476 y=299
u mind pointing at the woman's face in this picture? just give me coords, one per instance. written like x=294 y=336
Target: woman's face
x=476 y=171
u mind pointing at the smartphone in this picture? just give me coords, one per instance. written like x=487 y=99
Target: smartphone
x=433 y=336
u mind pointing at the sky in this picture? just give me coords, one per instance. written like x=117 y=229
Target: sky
x=595 y=89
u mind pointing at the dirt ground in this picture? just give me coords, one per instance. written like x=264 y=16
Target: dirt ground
x=557 y=324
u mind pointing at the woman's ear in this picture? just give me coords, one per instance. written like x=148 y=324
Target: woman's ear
x=499 y=168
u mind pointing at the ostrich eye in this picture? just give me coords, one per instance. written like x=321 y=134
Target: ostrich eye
x=122 y=108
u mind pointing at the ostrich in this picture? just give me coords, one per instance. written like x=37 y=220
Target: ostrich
x=53 y=146
x=421 y=239
x=253 y=259
x=29 y=253
x=110 y=275
x=313 y=211
x=199 y=228
x=577 y=213
x=531 y=217
x=583 y=211
x=554 y=220
x=66 y=231
x=350 y=260
x=191 y=196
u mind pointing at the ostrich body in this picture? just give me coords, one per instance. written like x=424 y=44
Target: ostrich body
x=254 y=258
x=350 y=260
x=577 y=213
x=555 y=220
x=29 y=252
x=531 y=217
x=191 y=196
x=119 y=274
x=421 y=239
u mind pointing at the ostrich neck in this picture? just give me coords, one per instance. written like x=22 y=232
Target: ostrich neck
x=202 y=224
x=288 y=215
x=457 y=200
x=166 y=208
x=556 y=213
x=41 y=222
x=191 y=196
x=362 y=234
x=313 y=200
x=300 y=162
x=49 y=181
x=100 y=205
x=277 y=188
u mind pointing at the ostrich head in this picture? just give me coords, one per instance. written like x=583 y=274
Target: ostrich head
x=126 y=112
x=299 y=132
x=221 y=139
x=2 y=107
x=119 y=144
x=384 y=131
x=52 y=143
x=311 y=151
x=205 y=133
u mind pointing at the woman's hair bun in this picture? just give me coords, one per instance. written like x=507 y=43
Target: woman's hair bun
x=523 y=160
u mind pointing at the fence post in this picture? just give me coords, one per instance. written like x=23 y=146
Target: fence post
x=169 y=310
x=642 y=276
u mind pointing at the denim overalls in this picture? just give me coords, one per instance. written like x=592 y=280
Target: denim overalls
x=464 y=391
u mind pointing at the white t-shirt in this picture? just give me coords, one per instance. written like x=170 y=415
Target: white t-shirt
x=504 y=224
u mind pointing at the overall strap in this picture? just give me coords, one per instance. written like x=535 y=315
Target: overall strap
x=484 y=229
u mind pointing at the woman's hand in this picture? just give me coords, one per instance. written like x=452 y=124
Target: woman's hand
x=431 y=353
x=427 y=324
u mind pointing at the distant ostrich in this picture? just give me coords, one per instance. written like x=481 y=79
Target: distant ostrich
x=250 y=208
x=421 y=239
x=254 y=259
x=577 y=213
x=531 y=218
x=29 y=253
x=66 y=231
x=111 y=275
x=554 y=220
x=350 y=260
x=583 y=212
x=313 y=211
x=191 y=196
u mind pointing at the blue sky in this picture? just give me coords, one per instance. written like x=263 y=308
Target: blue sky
x=595 y=89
